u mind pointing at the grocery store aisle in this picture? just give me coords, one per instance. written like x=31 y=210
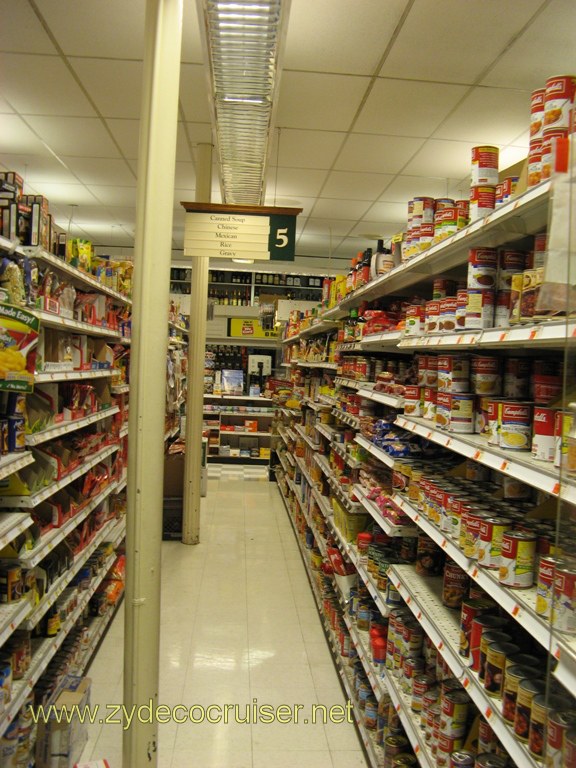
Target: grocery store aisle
x=239 y=628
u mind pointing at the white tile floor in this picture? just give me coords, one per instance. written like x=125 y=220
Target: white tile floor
x=238 y=623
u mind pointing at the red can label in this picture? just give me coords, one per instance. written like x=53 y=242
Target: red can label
x=537 y=113
x=482 y=201
x=558 y=101
x=484 y=165
x=543 y=440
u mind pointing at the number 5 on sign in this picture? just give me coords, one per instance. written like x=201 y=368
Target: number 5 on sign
x=282 y=239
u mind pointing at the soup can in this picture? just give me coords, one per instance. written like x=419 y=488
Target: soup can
x=570 y=748
x=517 y=562
x=420 y=684
x=543 y=440
x=484 y=165
x=537 y=113
x=432 y=316
x=462 y=759
x=490 y=636
x=492 y=532
x=489 y=760
x=455 y=585
x=558 y=101
x=511 y=263
x=528 y=689
x=514 y=425
x=453 y=373
x=479 y=309
x=556 y=730
x=513 y=676
x=482 y=201
x=474 y=519
x=454 y=706
x=447 y=322
x=563 y=615
x=461 y=302
x=447 y=745
x=535 y=162
x=542 y=708
x=469 y=611
x=496 y=655
x=485 y=376
x=517 y=373
x=482 y=268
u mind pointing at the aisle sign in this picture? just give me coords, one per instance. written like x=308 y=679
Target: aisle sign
x=240 y=232
x=249 y=328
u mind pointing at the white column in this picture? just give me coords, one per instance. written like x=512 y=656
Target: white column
x=153 y=247
x=196 y=348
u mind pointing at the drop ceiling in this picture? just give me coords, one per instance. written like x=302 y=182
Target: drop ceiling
x=380 y=101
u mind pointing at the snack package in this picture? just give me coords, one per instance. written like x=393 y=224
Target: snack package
x=18 y=340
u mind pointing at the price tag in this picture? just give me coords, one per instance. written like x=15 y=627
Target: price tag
x=477 y=455
x=503 y=337
x=459 y=340
x=488 y=713
x=556 y=489
x=417 y=749
x=397 y=707
x=516 y=610
x=444 y=543
x=557 y=653
x=441 y=645
x=533 y=333
x=419 y=615
x=429 y=435
x=574 y=333
x=408 y=600
x=475 y=573
x=466 y=682
x=448 y=442
x=504 y=466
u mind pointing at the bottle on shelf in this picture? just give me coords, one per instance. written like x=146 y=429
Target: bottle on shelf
x=383 y=260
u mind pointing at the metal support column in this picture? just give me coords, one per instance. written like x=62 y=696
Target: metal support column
x=196 y=351
x=153 y=247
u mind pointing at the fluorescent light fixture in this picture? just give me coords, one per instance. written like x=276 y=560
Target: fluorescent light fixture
x=244 y=43
x=244 y=261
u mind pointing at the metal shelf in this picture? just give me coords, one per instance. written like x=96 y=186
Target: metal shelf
x=12 y=524
x=347 y=418
x=34 y=499
x=59 y=322
x=12 y=462
x=381 y=341
x=343 y=381
x=121 y=389
x=300 y=429
x=388 y=527
x=381 y=455
x=45 y=376
x=323 y=364
x=69 y=426
x=518 y=464
x=343 y=453
x=381 y=397
x=56 y=535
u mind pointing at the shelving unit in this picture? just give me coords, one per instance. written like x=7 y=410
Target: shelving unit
x=235 y=410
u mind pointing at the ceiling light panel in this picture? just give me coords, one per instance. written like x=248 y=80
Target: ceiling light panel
x=244 y=41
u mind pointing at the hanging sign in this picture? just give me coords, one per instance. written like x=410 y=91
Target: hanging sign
x=240 y=232
x=249 y=328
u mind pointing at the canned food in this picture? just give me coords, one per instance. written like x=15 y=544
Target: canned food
x=420 y=684
x=453 y=373
x=556 y=730
x=470 y=610
x=415 y=320
x=558 y=101
x=517 y=373
x=394 y=745
x=432 y=316
x=535 y=162
x=447 y=323
x=549 y=150
x=482 y=201
x=490 y=541
x=16 y=433
x=482 y=268
x=543 y=440
x=455 y=412
x=447 y=745
x=570 y=748
x=485 y=377
x=514 y=425
x=4 y=445
x=542 y=707
x=495 y=666
x=537 y=113
x=513 y=676
x=445 y=223
x=487 y=740
x=484 y=165
x=527 y=690
x=429 y=557
x=479 y=309
x=462 y=759
x=441 y=287
x=473 y=522
x=455 y=585
x=430 y=398
x=454 y=706
x=563 y=615
x=488 y=637
x=532 y=280
x=517 y=562
x=432 y=371
x=406 y=759
x=490 y=760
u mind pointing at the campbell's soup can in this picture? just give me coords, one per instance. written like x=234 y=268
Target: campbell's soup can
x=517 y=374
x=482 y=201
x=447 y=745
x=484 y=760
x=474 y=518
x=499 y=194
x=490 y=541
x=454 y=707
x=488 y=637
x=461 y=302
x=563 y=616
x=415 y=318
x=509 y=187
x=432 y=371
x=558 y=101
x=444 y=202
x=412 y=400
x=537 y=113
x=570 y=748
x=482 y=267
x=429 y=410
x=469 y=611
x=535 y=162
x=484 y=166
x=432 y=316
x=454 y=586
x=463 y=209
x=442 y=287
x=543 y=440
x=510 y=263
x=426 y=236
x=445 y=223
x=502 y=309
x=453 y=373
x=545 y=584
x=455 y=412
x=448 y=314
x=541 y=709
x=422 y=365
x=556 y=730
x=485 y=376
x=487 y=741
x=517 y=562
x=514 y=425
x=420 y=684
x=513 y=676
x=479 y=309
x=549 y=150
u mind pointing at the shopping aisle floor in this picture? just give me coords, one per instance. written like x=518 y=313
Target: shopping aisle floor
x=239 y=624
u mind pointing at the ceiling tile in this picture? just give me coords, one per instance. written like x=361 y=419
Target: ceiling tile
x=126 y=132
x=404 y=188
x=91 y=171
x=18 y=138
x=5 y=108
x=545 y=49
x=305 y=149
x=305 y=203
x=67 y=195
x=355 y=186
x=112 y=196
x=108 y=29
x=21 y=29
x=39 y=168
x=185 y=177
x=322 y=102
x=194 y=93
x=443 y=159
x=350 y=209
x=390 y=213
x=453 y=42
x=356 y=40
x=74 y=136
x=295 y=183
x=488 y=116
x=42 y=85
x=328 y=227
x=192 y=51
x=123 y=100
x=392 y=105
x=380 y=154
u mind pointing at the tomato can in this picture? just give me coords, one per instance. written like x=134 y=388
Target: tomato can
x=541 y=709
x=563 y=614
x=502 y=309
x=482 y=201
x=432 y=316
x=455 y=585
x=479 y=309
x=537 y=113
x=535 y=162
x=484 y=165
x=455 y=412
x=543 y=440
x=447 y=322
x=517 y=563
x=496 y=654
x=514 y=425
x=461 y=302
x=510 y=262
x=490 y=541
x=513 y=676
x=528 y=689
x=549 y=150
x=558 y=101
x=482 y=267
x=556 y=731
